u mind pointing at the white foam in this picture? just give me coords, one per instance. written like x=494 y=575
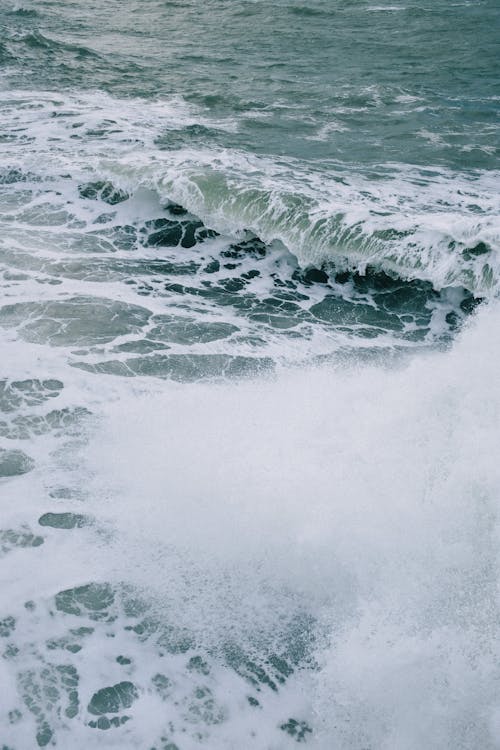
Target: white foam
x=366 y=498
x=369 y=496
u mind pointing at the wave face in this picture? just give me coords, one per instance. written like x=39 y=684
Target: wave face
x=436 y=225
x=249 y=400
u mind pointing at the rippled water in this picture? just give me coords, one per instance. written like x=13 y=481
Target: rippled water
x=249 y=393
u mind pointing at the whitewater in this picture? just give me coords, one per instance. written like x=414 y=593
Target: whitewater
x=249 y=380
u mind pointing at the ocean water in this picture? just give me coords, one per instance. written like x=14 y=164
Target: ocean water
x=249 y=379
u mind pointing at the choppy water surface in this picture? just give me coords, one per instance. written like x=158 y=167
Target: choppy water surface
x=249 y=392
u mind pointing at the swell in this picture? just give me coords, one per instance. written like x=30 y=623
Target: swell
x=308 y=12
x=25 y=12
x=35 y=40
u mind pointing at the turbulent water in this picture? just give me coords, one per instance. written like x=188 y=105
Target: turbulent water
x=249 y=379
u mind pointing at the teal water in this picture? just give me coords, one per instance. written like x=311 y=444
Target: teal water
x=249 y=394
x=359 y=83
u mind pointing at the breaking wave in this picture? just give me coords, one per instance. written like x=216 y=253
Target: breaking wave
x=433 y=224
